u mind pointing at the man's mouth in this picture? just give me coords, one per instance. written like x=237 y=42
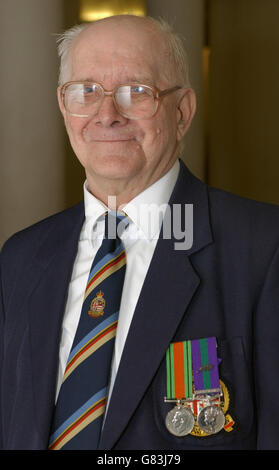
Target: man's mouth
x=112 y=140
x=108 y=137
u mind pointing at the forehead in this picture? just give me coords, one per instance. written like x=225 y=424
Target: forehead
x=119 y=51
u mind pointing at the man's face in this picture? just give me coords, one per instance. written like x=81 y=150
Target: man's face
x=108 y=145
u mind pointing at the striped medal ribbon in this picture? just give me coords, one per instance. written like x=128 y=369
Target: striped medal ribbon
x=192 y=375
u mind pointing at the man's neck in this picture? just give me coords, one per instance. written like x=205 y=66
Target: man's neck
x=117 y=193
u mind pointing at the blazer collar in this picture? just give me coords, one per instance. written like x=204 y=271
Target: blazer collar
x=190 y=190
x=157 y=316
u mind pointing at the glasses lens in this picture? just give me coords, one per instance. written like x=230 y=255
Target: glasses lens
x=83 y=99
x=135 y=101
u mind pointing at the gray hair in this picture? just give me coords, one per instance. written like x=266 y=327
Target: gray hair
x=175 y=43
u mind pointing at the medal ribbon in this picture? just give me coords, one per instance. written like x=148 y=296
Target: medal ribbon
x=205 y=365
x=188 y=361
x=179 y=370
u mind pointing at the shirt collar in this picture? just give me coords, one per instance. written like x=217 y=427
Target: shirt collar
x=145 y=210
x=94 y=209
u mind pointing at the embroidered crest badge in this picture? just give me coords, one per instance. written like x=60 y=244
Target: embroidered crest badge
x=97 y=306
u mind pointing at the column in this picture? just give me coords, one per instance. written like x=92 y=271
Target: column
x=187 y=17
x=31 y=130
x=244 y=98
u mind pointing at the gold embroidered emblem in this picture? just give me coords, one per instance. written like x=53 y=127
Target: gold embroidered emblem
x=97 y=306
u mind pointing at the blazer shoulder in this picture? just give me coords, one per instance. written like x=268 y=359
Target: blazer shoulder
x=225 y=199
x=25 y=242
x=243 y=215
x=225 y=207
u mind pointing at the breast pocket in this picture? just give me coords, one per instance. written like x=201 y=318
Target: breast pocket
x=236 y=404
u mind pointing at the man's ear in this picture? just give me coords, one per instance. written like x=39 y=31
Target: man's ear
x=60 y=102
x=186 y=109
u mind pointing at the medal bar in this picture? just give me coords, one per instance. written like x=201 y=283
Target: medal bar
x=213 y=391
x=199 y=395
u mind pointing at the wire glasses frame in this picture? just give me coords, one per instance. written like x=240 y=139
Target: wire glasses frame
x=154 y=93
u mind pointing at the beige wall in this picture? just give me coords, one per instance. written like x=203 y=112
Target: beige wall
x=244 y=97
x=31 y=137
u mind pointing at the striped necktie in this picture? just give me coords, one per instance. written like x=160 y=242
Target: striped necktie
x=81 y=403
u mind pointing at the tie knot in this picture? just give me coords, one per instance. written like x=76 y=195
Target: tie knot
x=115 y=224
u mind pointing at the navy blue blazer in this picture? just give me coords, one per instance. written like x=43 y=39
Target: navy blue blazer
x=226 y=285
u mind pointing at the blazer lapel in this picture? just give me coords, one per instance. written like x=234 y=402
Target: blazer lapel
x=170 y=284
x=53 y=266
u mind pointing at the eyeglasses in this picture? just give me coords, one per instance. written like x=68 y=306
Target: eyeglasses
x=133 y=101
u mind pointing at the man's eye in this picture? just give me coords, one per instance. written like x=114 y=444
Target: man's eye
x=137 y=89
x=88 y=89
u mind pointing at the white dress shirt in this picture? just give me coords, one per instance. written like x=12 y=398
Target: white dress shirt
x=139 y=240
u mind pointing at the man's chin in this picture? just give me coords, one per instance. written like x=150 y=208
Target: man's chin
x=115 y=167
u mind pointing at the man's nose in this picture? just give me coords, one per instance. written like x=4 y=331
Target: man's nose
x=108 y=115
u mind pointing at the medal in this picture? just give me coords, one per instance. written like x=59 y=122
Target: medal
x=180 y=420
x=193 y=384
x=211 y=419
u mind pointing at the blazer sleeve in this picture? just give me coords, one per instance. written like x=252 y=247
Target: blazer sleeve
x=1 y=354
x=266 y=359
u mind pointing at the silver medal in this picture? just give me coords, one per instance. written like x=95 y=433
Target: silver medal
x=180 y=421
x=211 y=419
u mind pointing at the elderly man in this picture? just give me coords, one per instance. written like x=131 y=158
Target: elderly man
x=137 y=340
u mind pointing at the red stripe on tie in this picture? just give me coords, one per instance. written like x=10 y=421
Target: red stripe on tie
x=77 y=423
x=115 y=261
x=93 y=341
